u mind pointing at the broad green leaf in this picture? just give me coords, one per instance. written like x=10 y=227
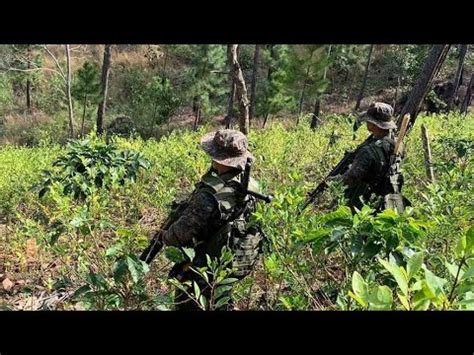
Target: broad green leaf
x=468 y=274
x=453 y=269
x=197 y=291
x=398 y=275
x=435 y=283
x=81 y=290
x=123 y=232
x=285 y=302
x=132 y=267
x=380 y=298
x=203 y=302
x=467 y=301
x=221 y=290
x=222 y=302
x=341 y=217
x=359 y=286
x=203 y=273
x=461 y=246
x=428 y=292
x=464 y=287
x=470 y=240
x=114 y=250
x=120 y=270
x=384 y=294
x=145 y=267
x=316 y=236
x=190 y=253
x=404 y=301
x=228 y=281
x=359 y=300
x=414 y=264
x=417 y=286
x=420 y=301
x=174 y=254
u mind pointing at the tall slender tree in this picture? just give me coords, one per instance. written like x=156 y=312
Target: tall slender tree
x=457 y=78
x=68 y=91
x=241 y=91
x=467 y=98
x=431 y=67
x=104 y=88
x=364 y=81
x=253 y=85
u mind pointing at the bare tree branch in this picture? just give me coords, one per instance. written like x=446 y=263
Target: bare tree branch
x=56 y=61
x=4 y=71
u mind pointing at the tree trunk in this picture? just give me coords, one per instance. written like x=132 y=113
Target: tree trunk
x=197 y=116
x=230 y=101
x=315 y=121
x=364 y=81
x=253 y=87
x=28 y=81
x=271 y=69
x=303 y=89
x=83 y=116
x=103 y=91
x=68 y=92
x=467 y=98
x=427 y=150
x=397 y=89
x=241 y=91
x=457 y=78
x=420 y=89
x=265 y=120
x=230 y=106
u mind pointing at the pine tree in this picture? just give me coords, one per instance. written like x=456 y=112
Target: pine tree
x=86 y=88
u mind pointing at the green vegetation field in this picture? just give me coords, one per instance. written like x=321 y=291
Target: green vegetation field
x=58 y=252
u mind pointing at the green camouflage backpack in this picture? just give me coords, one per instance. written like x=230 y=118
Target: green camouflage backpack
x=389 y=184
x=235 y=232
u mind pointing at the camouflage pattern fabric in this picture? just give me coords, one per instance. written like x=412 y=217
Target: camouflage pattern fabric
x=204 y=225
x=368 y=172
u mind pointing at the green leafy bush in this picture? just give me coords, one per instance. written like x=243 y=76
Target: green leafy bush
x=90 y=165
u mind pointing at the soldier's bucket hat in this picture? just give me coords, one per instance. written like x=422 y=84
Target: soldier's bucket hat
x=227 y=147
x=380 y=114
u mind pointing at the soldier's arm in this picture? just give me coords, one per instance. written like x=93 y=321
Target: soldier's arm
x=360 y=169
x=195 y=218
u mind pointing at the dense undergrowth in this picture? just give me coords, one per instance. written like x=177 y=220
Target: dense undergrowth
x=81 y=248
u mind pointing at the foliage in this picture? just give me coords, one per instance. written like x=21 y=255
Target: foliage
x=90 y=165
x=311 y=260
x=204 y=77
x=86 y=87
x=217 y=277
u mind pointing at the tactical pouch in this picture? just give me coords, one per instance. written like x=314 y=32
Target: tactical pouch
x=394 y=202
x=246 y=245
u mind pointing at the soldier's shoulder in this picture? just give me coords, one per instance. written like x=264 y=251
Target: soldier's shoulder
x=386 y=143
x=211 y=181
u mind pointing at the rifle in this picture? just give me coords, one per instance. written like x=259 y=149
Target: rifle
x=395 y=199
x=245 y=185
x=156 y=244
x=340 y=168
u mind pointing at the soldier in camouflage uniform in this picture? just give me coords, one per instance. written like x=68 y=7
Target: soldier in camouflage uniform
x=367 y=178
x=207 y=220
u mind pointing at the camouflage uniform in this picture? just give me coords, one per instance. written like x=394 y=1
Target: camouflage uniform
x=208 y=220
x=368 y=173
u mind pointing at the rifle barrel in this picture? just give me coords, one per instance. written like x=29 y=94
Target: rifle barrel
x=260 y=196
